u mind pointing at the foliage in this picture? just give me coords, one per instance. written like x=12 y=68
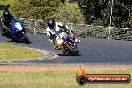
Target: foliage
x=36 y=9
x=69 y=12
x=42 y=9
x=99 y=10
x=92 y=11
x=4 y=4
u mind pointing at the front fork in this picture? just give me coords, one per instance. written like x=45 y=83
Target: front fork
x=76 y=42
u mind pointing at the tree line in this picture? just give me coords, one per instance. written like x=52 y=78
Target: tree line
x=76 y=11
x=99 y=11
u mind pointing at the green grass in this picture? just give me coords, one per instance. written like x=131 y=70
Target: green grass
x=54 y=79
x=14 y=52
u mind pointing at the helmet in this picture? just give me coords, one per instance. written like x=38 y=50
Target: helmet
x=6 y=12
x=51 y=23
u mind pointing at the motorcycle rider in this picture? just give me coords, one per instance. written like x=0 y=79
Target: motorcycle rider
x=5 y=20
x=55 y=28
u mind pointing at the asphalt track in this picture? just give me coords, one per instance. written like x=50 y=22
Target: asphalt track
x=94 y=51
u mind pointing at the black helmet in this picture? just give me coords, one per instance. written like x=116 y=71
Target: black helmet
x=6 y=12
x=51 y=23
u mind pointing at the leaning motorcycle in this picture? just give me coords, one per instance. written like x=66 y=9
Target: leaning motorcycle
x=66 y=43
x=16 y=31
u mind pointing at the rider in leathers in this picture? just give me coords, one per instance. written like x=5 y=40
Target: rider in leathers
x=5 y=20
x=56 y=27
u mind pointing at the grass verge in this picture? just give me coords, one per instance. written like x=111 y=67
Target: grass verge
x=15 y=52
x=59 y=76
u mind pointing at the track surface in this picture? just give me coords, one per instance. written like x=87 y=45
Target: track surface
x=91 y=51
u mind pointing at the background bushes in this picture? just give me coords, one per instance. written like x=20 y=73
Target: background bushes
x=98 y=11
x=69 y=12
x=74 y=11
x=34 y=9
x=92 y=12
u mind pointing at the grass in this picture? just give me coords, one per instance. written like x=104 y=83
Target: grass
x=54 y=78
x=14 y=52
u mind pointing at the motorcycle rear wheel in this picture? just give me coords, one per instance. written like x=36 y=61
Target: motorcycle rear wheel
x=3 y=32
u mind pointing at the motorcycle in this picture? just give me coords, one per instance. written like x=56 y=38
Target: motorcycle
x=66 y=43
x=16 y=31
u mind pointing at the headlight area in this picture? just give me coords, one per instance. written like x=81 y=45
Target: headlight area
x=60 y=41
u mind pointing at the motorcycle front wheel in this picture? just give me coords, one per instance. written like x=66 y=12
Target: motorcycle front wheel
x=26 y=40
x=73 y=51
x=23 y=38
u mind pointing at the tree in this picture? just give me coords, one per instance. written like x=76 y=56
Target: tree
x=91 y=9
x=36 y=9
x=95 y=10
x=66 y=14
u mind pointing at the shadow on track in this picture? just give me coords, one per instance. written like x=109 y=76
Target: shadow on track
x=19 y=42
x=68 y=55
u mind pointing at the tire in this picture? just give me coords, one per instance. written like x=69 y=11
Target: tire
x=0 y=25
x=72 y=50
x=14 y=39
x=5 y=32
x=64 y=52
x=26 y=40
x=23 y=38
x=81 y=80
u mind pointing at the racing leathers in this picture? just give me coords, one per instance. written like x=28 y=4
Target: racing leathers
x=58 y=28
x=5 y=23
